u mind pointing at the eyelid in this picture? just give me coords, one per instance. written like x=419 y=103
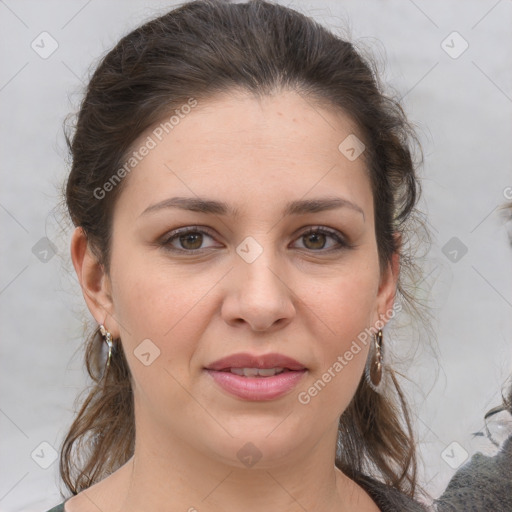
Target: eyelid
x=175 y=233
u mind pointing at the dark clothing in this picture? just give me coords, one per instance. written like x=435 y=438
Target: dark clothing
x=388 y=499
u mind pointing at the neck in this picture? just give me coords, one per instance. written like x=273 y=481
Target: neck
x=181 y=478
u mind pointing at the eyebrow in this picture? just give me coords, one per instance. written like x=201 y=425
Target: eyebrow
x=297 y=207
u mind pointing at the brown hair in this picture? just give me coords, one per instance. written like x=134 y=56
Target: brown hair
x=198 y=50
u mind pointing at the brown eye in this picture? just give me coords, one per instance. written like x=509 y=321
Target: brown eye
x=191 y=240
x=186 y=240
x=316 y=239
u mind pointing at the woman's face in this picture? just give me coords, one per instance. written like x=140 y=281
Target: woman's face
x=247 y=279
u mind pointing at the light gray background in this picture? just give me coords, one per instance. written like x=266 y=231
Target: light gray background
x=462 y=109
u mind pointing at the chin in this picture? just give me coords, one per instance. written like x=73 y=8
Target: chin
x=261 y=444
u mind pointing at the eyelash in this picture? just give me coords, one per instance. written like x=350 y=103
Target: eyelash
x=342 y=243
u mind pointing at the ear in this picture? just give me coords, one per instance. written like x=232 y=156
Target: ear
x=95 y=283
x=388 y=285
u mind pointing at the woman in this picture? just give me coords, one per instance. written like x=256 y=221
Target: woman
x=241 y=190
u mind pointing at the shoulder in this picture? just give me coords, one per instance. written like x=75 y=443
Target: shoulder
x=387 y=498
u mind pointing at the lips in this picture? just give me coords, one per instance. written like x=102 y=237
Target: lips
x=244 y=360
x=257 y=378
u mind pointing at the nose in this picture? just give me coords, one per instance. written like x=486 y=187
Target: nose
x=259 y=295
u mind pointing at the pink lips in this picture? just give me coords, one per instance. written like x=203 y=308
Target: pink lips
x=257 y=388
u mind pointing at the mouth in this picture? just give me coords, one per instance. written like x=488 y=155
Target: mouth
x=251 y=377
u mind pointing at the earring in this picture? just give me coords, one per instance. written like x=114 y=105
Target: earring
x=108 y=340
x=374 y=371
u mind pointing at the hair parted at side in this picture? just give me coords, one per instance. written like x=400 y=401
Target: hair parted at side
x=198 y=50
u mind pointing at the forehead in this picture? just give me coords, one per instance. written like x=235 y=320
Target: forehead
x=252 y=149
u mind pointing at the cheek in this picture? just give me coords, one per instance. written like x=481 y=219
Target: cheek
x=164 y=304
x=159 y=316
x=348 y=302
x=345 y=309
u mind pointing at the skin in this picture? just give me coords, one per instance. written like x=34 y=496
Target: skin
x=299 y=297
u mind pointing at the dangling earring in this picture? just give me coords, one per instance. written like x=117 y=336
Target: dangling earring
x=374 y=371
x=108 y=340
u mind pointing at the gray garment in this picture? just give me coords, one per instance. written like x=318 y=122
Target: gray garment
x=483 y=484
x=58 y=508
